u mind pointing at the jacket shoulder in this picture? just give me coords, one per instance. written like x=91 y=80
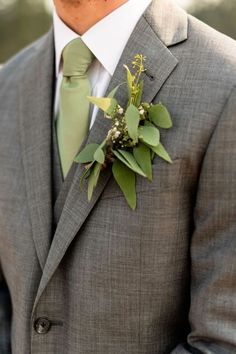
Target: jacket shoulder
x=213 y=49
x=12 y=68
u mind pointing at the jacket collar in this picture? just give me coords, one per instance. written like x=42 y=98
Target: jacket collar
x=168 y=20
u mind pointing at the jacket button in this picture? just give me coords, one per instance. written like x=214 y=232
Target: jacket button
x=42 y=325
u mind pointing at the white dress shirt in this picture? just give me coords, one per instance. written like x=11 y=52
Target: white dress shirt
x=106 y=39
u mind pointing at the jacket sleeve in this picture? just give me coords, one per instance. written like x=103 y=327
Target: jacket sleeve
x=212 y=315
x=5 y=317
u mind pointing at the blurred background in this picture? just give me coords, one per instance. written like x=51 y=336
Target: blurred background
x=22 y=21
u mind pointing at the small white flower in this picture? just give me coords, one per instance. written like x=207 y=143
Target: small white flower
x=117 y=134
x=141 y=111
x=120 y=111
x=109 y=133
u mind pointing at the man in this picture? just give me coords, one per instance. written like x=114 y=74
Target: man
x=97 y=277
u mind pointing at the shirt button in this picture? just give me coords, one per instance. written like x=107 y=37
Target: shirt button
x=42 y=325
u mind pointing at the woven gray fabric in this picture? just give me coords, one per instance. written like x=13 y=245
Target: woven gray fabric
x=57 y=181
x=109 y=280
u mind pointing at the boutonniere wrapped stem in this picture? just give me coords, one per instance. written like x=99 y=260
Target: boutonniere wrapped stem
x=133 y=140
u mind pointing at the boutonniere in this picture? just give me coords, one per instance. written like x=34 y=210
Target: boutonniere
x=133 y=140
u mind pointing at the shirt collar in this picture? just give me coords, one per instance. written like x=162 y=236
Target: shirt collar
x=107 y=38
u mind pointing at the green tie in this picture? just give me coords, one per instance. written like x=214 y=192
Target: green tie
x=73 y=120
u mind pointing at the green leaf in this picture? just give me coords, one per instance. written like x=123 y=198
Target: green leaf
x=93 y=179
x=139 y=95
x=85 y=175
x=132 y=162
x=130 y=80
x=125 y=178
x=160 y=116
x=86 y=155
x=106 y=104
x=99 y=155
x=128 y=159
x=113 y=92
x=111 y=110
x=142 y=155
x=132 y=119
x=152 y=155
x=149 y=135
x=161 y=152
x=147 y=123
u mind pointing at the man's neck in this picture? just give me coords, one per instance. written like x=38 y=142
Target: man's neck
x=80 y=16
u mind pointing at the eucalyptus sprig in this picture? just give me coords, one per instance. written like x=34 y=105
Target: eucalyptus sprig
x=133 y=140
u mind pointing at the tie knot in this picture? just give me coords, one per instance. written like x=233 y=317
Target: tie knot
x=76 y=58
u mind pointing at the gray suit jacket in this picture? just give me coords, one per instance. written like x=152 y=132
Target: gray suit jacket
x=105 y=279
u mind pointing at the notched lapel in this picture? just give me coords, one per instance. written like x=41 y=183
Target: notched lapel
x=35 y=127
x=160 y=63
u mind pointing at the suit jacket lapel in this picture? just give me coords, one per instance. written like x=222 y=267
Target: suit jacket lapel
x=160 y=63
x=35 y=128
